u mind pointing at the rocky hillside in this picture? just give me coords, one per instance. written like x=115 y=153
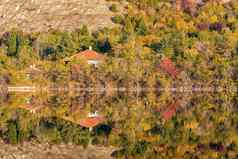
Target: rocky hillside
x=41 y=15
x=44 y=151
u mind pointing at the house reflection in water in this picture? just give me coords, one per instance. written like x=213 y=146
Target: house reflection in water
x=33 y=72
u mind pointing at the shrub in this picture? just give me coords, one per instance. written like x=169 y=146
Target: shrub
x=113 y=8
x=117 y=19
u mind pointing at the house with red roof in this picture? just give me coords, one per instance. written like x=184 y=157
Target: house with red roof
x=168 y=66
x=92 y=57
x=32 y=72
x=91 y=122
x=87 y=121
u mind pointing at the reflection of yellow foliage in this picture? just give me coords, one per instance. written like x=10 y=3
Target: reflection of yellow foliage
x=207 y=106
x=231 y=154
x=192 y=125
x=221 y=119
x=183 y=148
x=233 y=137
x=181 y=24
x=232 y=38
x=213 y=19
x=214 y=155
x=231 y=19
x=146 y=126
x=191 y=52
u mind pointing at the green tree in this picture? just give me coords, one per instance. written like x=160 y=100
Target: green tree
x=12 y=133
x=141 y=27
x=13 y=41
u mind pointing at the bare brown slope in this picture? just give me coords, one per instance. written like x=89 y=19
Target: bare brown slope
x=41 y=15
x=46 y=151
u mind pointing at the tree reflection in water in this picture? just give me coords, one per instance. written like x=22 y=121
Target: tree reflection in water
x=137 y=122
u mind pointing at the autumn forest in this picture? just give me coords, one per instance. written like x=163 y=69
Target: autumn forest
x=161 y=83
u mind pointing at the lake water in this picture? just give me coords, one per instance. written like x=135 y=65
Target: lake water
x=120 y=117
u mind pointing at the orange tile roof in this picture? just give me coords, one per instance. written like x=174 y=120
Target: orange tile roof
x=89 y=55
x=168 y=66
x=91 y=121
